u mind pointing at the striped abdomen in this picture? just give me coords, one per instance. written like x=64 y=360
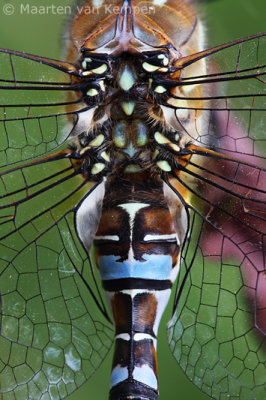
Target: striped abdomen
x=137 y=251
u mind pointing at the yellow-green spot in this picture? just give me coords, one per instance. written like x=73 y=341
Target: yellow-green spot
x=155 y=154
x=120 y=134
x=160 y=89
x=128 y=107
x=102 y=85
x=97 y=141
x=141 y=133
x=100 y=70
x=105 y=156
x=131 y=168
x=92 y=92
x=160 y=138
x=127 y=78
x=174 y=146
x=164 y=165
x=98 y=167
x=164 y=58
x=86 y=73
x=163 y=69
x=177 y=137
x=149 y=67
x=85 y=61
x=142 y=139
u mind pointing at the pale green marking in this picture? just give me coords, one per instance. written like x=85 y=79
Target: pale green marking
x=85 y=61
x=177 y=137
x=128 y=107
x=142 y=139
x=132 y=168
x=105 y=156
x=92 y=92
x=155 y=154
x=164 y=165
x=98 y=167
x=174 y=146
x=120 y=132
x=160 y=89
x=97 y=141
x=141 y=133
x=149 y=67
x=102 y=85
x=86 y=73
x=127 y=78
x=100 y=70
x=160 y=138
x=163 y=69
x=164 y=58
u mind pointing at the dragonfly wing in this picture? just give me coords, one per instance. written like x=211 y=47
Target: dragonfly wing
x=231 y=92
x=55 y=331
x=54 y=334
x=39 y=106
x=218 y=332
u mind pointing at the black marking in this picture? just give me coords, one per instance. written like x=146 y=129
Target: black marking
x=142 y=354
x=115 y=285
x=133 y=390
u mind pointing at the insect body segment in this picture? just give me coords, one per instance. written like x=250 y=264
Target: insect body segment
x=137 y=252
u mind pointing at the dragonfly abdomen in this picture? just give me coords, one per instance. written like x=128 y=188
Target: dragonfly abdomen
x=137 y=253
x=135 y=372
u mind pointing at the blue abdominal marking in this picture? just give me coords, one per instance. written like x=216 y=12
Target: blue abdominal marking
x=156 y=267
x=119 y=374
x=145 y=375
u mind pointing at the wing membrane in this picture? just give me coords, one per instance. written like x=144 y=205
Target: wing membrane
x=36 y=195
x=54 y=330
x=218 y=330
x=232 y=92
x=54 y=325
x=38 y=105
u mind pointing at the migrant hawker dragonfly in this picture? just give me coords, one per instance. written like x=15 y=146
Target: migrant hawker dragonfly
x=10 y=329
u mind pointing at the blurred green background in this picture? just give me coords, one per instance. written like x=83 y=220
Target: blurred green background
x=40 y=34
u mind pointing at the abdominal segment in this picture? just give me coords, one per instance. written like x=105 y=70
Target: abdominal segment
x=137 y=253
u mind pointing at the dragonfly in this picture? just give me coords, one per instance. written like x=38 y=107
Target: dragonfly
x=49 y=286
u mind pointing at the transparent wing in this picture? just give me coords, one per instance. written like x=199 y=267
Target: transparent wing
x=54 y=329
x=39 y=106
x=218 y=331
x=233 y=92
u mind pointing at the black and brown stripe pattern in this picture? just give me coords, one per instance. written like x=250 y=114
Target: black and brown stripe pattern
x=137 y=252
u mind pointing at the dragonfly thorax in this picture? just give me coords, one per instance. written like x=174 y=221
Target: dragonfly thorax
x=126 y=123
